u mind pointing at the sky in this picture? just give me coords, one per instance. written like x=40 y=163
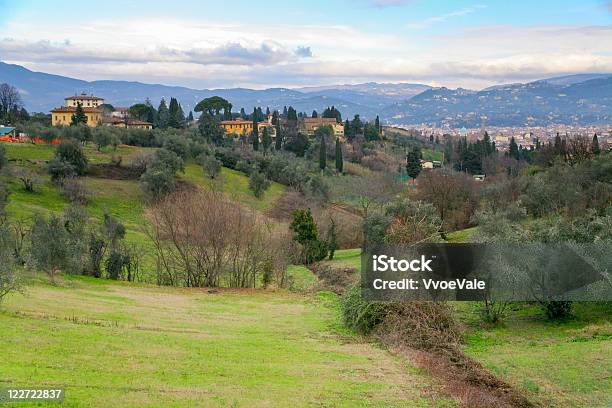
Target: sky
x=220 y=44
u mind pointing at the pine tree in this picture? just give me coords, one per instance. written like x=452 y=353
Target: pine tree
x=339 y=162
x=79 y=116
x=413 y=162
x=595 y=145
x=322 y=153
x=255 y=131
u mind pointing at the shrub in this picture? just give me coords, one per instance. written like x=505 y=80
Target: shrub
x=60 y=170
x=76 y=192
x=9 y=279
x=157 y=182
x=360 y=315
x=71 y=152
x=258 y=183
x=211 y=166
x=556 y=310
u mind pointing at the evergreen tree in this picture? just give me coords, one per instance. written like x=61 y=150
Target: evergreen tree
x=285 y=112
x=266 y=140
x=278 y=143
x=437 y=139
x=413 y=162
x=255 y=131
x=190 y=117
x=243 y=114
x=514 y=150
x=163 y=115
x=291 y=114
x=322 y=153
x=349 y=133
x=79 y=116
x=176 y=117
x=357 y=125
x=431 y=138
x=595 y=145
x=315 y=114
x=339 y=162
x=377 y=124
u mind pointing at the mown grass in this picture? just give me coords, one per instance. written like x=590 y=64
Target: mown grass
x=557 y=364
x=346 y=258
x=118 y=344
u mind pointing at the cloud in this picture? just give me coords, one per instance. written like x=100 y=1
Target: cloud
x=303 y=52
x=232 y=53
x=442 y=18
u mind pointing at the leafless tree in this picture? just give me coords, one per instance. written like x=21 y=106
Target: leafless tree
x=204 y=240
x=10 y=100
x=453 y=194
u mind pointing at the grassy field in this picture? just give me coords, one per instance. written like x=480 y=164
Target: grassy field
x=557 y=364
x=118 y=344
x=566 y=364
x=121 y=198
x=236 y=186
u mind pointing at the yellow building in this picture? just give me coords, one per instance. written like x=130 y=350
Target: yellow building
x=63 y=116
x=245 y=127
x=86 y=101
x=238 y=126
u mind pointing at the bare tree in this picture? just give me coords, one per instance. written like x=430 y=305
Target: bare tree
x=204 y=240
x=10 y=100
x=453 y=194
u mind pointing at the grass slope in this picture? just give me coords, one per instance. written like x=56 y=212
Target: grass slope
x=567 y=364
x=116 y=344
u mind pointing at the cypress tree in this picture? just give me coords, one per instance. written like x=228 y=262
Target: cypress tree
x=377 y=124
x=255 y=131
x=595 y=145
x=266 y=139
x=339 y=162
x=279 y=137
x=413 y=162
x=514 y=150
x=315 y=114
x=322 y=153
x=190 y=117
x=163 y=115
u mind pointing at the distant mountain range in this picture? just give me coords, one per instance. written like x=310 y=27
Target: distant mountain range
x=575 y=99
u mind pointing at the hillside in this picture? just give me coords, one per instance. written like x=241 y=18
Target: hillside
x=42 y=92
x=159 y=346
x=581 y=101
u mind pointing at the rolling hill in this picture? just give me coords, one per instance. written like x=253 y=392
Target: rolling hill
x=580 y=99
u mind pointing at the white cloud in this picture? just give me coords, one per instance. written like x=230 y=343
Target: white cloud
x=202 y=54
